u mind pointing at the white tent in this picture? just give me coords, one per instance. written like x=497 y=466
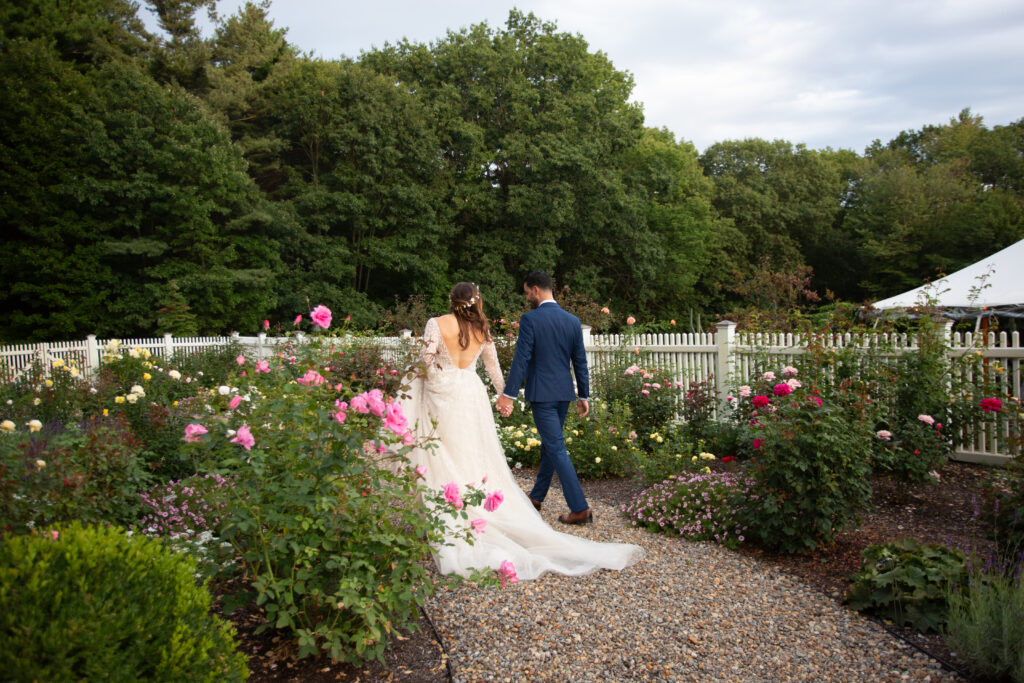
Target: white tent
x=994 y=284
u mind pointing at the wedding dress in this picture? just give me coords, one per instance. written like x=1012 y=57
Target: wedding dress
x=467 y=451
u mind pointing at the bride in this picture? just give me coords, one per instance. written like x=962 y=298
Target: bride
x=468 y=450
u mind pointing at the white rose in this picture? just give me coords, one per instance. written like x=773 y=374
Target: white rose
x=174 y=374
x=7 y=426
x=34 y=425
x=132 y=398
x=40 y=464
x=223 y=390
x=136 y=389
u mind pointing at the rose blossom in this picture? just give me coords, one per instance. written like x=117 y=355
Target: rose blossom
x=311 y=378
x=321 y=316
x=630 y=320
x=768 y=376
x=240 y=360
x=794 y=383
x=926 y=419
x=760 y=401
x=193 y=432
x=745 y=391
x=451 y=494
x=244 y=438
x=493 y=500
x=478 y=525
x=395 y=420
x=234 y=402
x=262 y=366
x=757 y=444
x=298 y=319
x=507 y=572
x=991 y=405
x=789 y=371
x=782 y=389
x=884 y=434
x=421 y=470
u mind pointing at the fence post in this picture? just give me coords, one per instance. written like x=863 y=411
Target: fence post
x=92 y=356
x=168 y=346
x=261 y=343
x=404 y=333
x=725 y=337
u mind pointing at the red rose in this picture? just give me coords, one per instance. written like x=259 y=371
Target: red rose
x=729 y=458
x=760 y=401
x=757 y=444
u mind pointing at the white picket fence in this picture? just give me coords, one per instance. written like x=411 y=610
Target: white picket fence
x=724 y=357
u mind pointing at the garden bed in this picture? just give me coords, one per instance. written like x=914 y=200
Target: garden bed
x=942 y=513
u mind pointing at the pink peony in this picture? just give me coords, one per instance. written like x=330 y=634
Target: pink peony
x=507 y=572
x=193 y=432
x=782 y=389
x=884 y=434
x=262 y=366
x=321 y=316
x=760 y=401
x=926 y=419
x=235 y=401
x=493 y=500
x=244 y=438
x=451 y=494
x=478 y=525
x=991 y=405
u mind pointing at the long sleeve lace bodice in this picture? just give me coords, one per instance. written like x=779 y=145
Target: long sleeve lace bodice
x=435 y=355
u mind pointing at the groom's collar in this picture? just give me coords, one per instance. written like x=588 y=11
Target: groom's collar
x=547 y=301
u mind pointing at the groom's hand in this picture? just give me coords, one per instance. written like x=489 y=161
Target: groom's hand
x=582 y=407
x=505 y=405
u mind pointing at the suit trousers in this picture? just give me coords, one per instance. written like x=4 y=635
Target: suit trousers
x=549 y=417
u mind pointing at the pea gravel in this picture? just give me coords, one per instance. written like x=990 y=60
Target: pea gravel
x=687 y=612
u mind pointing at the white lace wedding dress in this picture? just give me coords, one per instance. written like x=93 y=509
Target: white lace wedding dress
x=468 y=450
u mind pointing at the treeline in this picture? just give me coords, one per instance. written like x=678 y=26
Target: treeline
x=199 y=185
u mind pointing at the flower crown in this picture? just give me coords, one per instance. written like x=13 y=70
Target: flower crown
x=461 y=303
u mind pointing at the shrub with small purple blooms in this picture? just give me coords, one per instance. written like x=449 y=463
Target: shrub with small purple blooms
x=186 y=507
x=698 y=507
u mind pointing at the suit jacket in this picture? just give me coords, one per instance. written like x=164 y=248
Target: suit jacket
x=549 y=339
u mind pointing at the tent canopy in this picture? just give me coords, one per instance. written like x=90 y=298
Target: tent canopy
x=993 y=284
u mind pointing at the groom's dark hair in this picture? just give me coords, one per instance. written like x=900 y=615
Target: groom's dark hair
x=538 y=278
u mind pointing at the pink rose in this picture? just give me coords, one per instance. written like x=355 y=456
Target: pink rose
x=478 y=525
x=375 y=401
x=395 y=420
x=240 y=360
x=298 y=319
x=244 y=438
x=493 y=500
x=745 y=391
x=782 y=389
x=193 y=432
x=926 y=419
x=360 y=404
x=605 y=310
x=632 y=369
x=507 y=573
x=630 y=320
x=789 y=371
x=645 y=392
x=757 y=444
x=340 y=417
x=794 y=383
x=235 y=401
x=816 y=400
x=768 y=376
x=451 y=494
x=53 y=534
x=266 y=324
x=321 y=316
x=262 y=366
x=311 y=378
x=884 y=434
x=421 y=470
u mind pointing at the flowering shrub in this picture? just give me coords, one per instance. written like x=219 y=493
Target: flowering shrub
x=322 y=513
x=914 y=453
x=810 y=462
x=90 y=472
x=699 y=507
x=652 y=397
x=602 y=443
x=697 y=407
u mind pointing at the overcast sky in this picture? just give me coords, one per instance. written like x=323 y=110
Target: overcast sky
x=828 y=73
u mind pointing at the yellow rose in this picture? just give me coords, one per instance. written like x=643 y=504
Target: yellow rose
x=105 y=412
x=7 y=426
x=597 y=460
x=34 y=425
x=147 y=376
x=73 y=371
x=59 y=363
x=119 y=399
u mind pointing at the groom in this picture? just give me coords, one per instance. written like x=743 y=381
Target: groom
x=549 y=338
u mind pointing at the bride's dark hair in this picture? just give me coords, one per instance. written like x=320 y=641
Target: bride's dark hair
x=467 y=306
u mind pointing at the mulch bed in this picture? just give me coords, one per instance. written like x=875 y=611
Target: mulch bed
x=943 y=513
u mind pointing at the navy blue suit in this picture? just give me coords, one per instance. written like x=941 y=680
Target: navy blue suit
x=549 y=340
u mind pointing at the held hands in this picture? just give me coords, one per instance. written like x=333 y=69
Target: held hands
x=505 y=405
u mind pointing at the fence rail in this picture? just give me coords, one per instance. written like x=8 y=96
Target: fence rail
x=720 y=357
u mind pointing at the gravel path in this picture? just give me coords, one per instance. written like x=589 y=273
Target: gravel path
x=687 y=612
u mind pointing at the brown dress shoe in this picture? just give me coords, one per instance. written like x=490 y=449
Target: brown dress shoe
x=536 y=503
x=581 y=517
